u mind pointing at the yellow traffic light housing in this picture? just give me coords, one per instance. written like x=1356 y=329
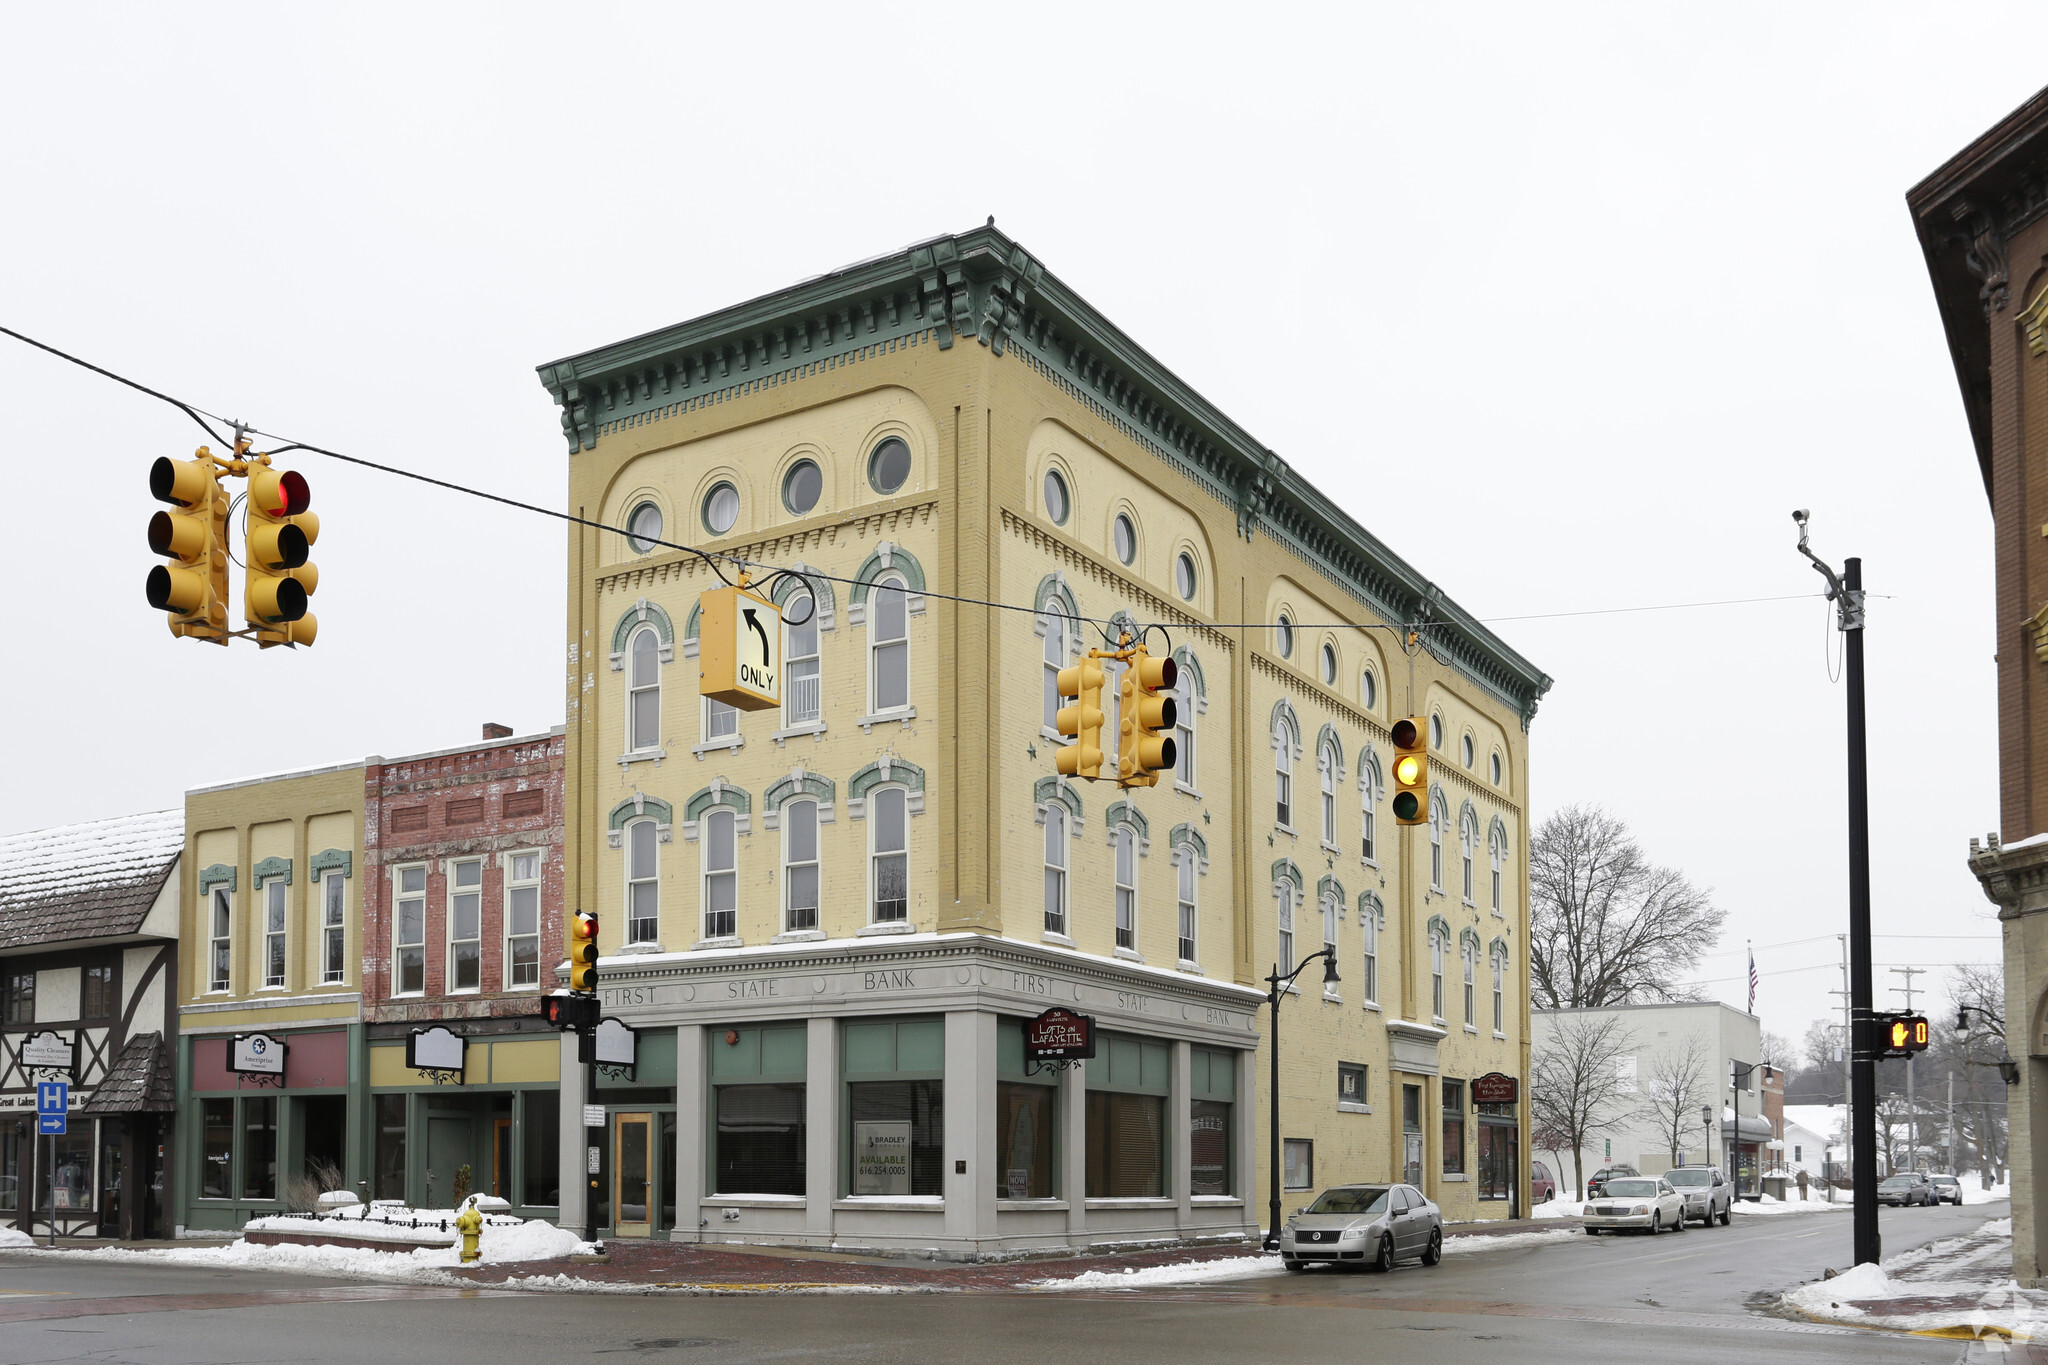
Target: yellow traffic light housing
x=277 y=557
x=583 y=952
x=1411 y=772
x=1082 y=721
x=193 y=587
x=1143 y=752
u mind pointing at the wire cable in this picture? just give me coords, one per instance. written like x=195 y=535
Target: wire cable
x=123 y=379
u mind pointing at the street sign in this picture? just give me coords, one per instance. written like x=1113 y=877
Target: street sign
x=739 y=649
x=53 y=1108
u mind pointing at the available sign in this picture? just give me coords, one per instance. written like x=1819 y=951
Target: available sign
x=881 y=1158
x=256 y=1054
x=1494 y=1088
x=1059 y=1034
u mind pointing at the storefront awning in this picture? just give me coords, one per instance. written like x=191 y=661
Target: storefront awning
x=139 y=1081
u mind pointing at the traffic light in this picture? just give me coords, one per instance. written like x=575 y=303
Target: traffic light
x=1900 y=1035
x=277 y=550
x=569 y=1012
x=1083 y=720
x=193 y=588
x=1142 y=751
x=1411 y=773
x=583 y=952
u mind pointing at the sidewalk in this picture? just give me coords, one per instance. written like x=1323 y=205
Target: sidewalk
x=1959 y=1287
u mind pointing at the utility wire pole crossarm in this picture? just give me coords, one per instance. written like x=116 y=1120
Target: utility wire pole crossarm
x=1846 y=592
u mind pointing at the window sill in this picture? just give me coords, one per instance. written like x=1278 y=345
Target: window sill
x=1471 y=1030
x=901 y=714
x=407 y=995
x=653 y=756
x=1455 y=1177
x=464 y=990
x=1351 y=1107
x=270 y=990
x=1287 y=830
x=892 y=1203
x=729 y=941
x=815 y=730
x=1499 y=1037
x=1333 y=998
x=1031 y=1206
x=1191 y=968
x=1372 y=1005
x=752 y=1201
x=648 y=945
x=717 y=746
x=521 y=990
x=800 y=936
x=884 y=928
x=1129 y=955
x=1216 y=1201
x=1331 y=849
x=1060 y=940
x=1133 y=1203
x=1436 y=1021
x=1185 y=790
x=1372 y=863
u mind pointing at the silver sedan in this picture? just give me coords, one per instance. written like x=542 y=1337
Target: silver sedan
x=1645 y=1203
x=1360 y=1225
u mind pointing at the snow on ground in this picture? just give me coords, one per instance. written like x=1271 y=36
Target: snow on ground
x=1560 y=1208
x=1815 y=1202
x=1235 y=1267
x=1974 y=1193
x=1976 y=1278
x=412 y=1227
x=1458 y=1244
x=15 y=1237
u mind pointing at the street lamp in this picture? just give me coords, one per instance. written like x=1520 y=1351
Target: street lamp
x=1278 y=984
x=2008 y=1070
x=1707 y=1123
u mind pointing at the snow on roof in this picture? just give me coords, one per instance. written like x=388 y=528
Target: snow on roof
x=85 y=880
x=1822 y=1120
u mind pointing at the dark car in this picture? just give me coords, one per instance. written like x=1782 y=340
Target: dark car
x=1542 y=1189
x=1908 y=1187
x=1596 y=1183
x=1946 y=1187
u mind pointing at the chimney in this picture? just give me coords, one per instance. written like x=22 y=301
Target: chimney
x=493 y=730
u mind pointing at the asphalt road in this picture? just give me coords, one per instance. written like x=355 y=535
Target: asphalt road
x=1678 y=1298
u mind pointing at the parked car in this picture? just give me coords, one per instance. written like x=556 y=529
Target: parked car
x=1542 y=1189
x=1360 y=1225
x=1708 y=1195
x=1946 y=1187
x=1645 y=1203
x=1598 y=1180
x=1908 y=1187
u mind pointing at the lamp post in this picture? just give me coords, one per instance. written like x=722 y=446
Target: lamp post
x=1707 y=1124
x=1278 y=985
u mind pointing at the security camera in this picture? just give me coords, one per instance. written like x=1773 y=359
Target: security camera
x=1799 y=515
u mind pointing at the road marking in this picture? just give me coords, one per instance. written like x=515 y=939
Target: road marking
x=1660 y=1260
x=1812 y=1234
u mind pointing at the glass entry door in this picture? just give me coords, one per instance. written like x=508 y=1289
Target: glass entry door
x=632 y=1183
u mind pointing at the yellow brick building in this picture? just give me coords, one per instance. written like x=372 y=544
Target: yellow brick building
x=846 y=908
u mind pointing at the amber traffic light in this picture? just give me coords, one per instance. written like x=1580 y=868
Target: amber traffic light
x=1411 y=772
x=193 y=586
x=583 y=952
x=278 y=557
x=1081 y=721
x=1143 y=751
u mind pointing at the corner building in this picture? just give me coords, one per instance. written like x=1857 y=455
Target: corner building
x=843 y=911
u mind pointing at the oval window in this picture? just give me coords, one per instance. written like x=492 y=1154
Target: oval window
x=1329 y=664
x=1126 y=537
x=1496 y=770
x=721 y=509
x=643 y=528
x=889 y=466
x=1184 y=576
x=1283 y=638
x=1369 y=689
x=801 y=487
x=1467 y=754
x=1055 y=497
x=1436 y=732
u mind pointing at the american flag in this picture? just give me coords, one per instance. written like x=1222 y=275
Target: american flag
x=1752 y=980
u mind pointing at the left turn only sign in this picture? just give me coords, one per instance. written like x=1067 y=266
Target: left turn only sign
x=739 y=649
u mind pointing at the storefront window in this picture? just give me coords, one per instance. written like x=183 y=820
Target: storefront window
x=1126 y=1119
x=259 y=1149
x=541 y=1124
x=217 y=1148
x=1027 y=1127
x=1300 y=1163
x=15 y=1137
x=74 y=1167
x=390 y=1147
x=1212 y=1086
x=1454 y=1126
x=758 y=1108
x=895 y=1104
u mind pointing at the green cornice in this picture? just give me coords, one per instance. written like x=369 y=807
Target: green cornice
x=982 y=285
x=328 y=859
x=272 y=867
x=218 y=872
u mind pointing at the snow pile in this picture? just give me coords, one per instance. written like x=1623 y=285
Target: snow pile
x=531 y=1241
x=1559 y=1208
x=1957 y=1286
x=1815 y=1202
x=414 y=1227
x=1975 y=1193
x=1477 y=1241
x=1152 y=1276
x=14 y=1237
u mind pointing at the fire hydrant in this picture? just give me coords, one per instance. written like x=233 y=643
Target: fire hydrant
x=470 y=1224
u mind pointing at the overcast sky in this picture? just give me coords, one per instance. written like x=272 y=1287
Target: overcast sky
x=1569 y=306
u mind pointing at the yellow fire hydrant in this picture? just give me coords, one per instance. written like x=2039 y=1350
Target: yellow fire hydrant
x=470 y=1224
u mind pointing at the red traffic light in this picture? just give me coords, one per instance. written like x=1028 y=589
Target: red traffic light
x=279 y=492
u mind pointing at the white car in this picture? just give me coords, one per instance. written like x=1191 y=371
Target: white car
x=1642 y=1202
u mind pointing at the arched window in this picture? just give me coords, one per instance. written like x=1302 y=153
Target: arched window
x=1439 y=819
x=1055 y=869
x=802 y=696
x=1184 y=729
x=1283 y=775
x=800 y=865
x=1436 y=731
x=1437 y=948
x=1368 y=806
x=1497 y=854
x=1286 y=894
x=721 y=874
x=1465 y=750
x=1185 y=895
x=1126 y=888
x=1471 y=956
x=1329 y=907
x=643 y=883
x=1468 y=841
x=889 y=826
x=1369 y=935
x=1500 y=1004
x=889 y=644
x=1055 y=660
x=1330 y=762
x=643 y=691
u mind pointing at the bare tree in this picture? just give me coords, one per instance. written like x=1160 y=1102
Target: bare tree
x=1576 y=1090
x=1817 y=1048
x=1608 y=927
x=1775 y=1051
x=1971 y=1056
x=1680 y=1082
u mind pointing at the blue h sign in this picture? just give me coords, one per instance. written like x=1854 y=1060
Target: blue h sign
x=53 y=1104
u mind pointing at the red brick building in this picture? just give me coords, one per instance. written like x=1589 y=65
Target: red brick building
x=462 y=928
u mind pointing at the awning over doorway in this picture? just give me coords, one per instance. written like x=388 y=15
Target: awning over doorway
x=139 y=1081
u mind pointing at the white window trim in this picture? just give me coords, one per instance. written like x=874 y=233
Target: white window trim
x=263 y=893
x=1437 y=989
x=913 y=605
x=399 y=893
x=506 y=885
x=214 y=940
x=662 y=655
x=1138 y=848
x=448 y=986
x=626 y=884
x=1369 y=934
x=911 y=806
x=705 y=872
x=818 y=822
x=333 y=874
x=1330 y=910
x=736 y=740
x=814 y=727
x=1184 y=855
x=1070 y=823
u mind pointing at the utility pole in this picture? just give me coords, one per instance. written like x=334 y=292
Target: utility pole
x=1846 y=592
x=1912 y=1109
x=1951 y=1122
